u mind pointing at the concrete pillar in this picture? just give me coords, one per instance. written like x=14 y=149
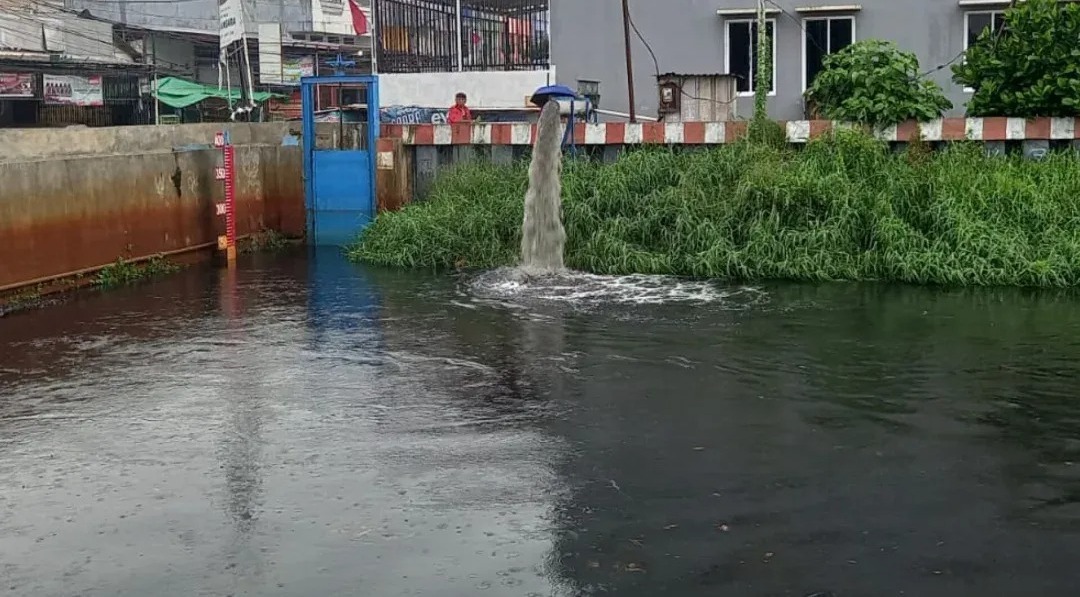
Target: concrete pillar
x=1036 y=149
x=463 y=154
x=393 y=174
x=427 y=165
x=522 y=152
x=502 y=154
x=995 y=147
x=611 y=153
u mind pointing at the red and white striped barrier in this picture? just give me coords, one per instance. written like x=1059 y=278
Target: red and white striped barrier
x=714 y=133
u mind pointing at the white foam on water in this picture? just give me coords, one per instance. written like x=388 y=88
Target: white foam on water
x=542 y=275
x=590 y=289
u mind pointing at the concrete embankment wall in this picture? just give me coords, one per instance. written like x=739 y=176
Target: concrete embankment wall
x=411 y=156
x=72 y=200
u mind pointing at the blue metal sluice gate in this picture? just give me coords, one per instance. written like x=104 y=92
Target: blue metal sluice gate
x=339 y=155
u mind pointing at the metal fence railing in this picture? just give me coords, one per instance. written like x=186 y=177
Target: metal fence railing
x=415 y=36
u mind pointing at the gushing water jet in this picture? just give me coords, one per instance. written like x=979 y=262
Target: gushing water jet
x=542 y=233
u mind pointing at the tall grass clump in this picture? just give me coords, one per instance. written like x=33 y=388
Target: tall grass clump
x=842 y=208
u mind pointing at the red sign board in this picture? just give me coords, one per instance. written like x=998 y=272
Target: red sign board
x=219 y=139
x=16 y=85
x=219 y=173
x=221 y=208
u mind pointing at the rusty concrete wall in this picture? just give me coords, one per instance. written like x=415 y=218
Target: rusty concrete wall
x=60 y=215
x=36 y=144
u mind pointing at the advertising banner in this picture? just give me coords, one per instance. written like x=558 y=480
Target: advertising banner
x=422 y=115
x=231 y=15
x=412 y=115
x=16 y=85
x=71 y=90
x=294 y=68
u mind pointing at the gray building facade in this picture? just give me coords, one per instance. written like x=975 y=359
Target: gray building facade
x=717 y=36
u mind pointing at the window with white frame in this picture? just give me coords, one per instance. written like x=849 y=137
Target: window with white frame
x=976 y=23
x=741 y=53
x=823 y=36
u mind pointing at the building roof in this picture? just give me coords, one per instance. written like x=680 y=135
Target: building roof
x=671 y=75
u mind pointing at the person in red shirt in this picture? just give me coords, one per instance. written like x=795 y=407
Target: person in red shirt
x=459 y=112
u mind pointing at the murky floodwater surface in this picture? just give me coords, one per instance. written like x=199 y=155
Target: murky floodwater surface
x=308 y=427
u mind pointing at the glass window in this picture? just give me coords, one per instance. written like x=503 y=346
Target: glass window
x=825 y=36
x=742 y=53
x=978 y=22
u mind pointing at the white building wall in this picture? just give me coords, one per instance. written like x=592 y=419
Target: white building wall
x=486 y=89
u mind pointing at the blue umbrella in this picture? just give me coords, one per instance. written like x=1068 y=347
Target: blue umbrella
x=542 y=95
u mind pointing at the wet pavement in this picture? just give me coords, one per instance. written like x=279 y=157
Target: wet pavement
x=307 y=427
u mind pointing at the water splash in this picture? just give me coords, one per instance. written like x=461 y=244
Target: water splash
x=542 y=275
x=585 y=290
x=542 y=234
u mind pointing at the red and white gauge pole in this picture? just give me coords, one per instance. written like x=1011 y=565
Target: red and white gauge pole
x=227 y=174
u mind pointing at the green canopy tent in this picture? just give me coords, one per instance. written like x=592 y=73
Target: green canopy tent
x=178 y=93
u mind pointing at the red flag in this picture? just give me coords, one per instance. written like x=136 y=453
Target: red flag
x=359 y=20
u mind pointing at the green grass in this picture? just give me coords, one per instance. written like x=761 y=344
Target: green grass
x=264 y=241
x=121 y=272
x=842 y=208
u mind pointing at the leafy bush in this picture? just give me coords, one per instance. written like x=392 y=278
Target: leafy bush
x=1032 y=68
x=873 y=82
x=844 y=208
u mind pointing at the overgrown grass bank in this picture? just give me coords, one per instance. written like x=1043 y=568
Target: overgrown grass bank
x=843 y=208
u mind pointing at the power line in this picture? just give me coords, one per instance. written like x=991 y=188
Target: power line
x=825 y=51
x=656 y=67
x=799 y=23
x=944 y=65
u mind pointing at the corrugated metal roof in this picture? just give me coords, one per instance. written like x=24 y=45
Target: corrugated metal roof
x=663 y=75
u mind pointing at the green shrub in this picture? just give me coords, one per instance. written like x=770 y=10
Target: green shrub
x=872 y=82
x=1030 y=69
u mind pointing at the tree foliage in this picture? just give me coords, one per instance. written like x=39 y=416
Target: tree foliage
x=1031 y=68
x=874 y=82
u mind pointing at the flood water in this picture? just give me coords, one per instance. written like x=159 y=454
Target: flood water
x=307 y=427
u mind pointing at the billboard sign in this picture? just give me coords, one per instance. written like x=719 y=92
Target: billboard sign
x=71 y=90
x=16 y=85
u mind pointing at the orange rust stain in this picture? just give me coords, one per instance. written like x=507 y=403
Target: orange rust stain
x=66 y=243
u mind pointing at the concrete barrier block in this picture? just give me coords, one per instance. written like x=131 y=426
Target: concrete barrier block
x=463 y=154
x=1036 y=149
x=393 y=182
x=502 y=154
x=426 y=160
x=995 y=147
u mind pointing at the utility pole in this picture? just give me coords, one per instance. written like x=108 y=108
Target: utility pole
x=762 y=69
x=154 y=89
x=629 y=59
x=460 y=39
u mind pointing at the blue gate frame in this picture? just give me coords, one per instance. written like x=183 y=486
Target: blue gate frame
x=339 y=184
